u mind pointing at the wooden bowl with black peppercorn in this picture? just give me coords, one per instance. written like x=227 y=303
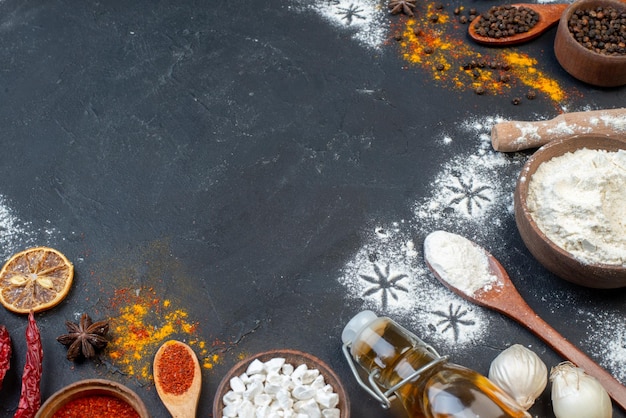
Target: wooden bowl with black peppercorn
x=583 y=271
x=597 y=57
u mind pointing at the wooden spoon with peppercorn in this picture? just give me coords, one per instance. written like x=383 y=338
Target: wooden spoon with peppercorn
x=481 y=31
x=178 y=378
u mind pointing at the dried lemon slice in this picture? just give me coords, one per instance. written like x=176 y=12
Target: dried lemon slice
x=38 y=279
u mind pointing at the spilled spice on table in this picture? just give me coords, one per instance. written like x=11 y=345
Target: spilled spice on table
x=144 y=321
x=434 y=42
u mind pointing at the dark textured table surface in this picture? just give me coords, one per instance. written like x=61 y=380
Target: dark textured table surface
x=248 y=175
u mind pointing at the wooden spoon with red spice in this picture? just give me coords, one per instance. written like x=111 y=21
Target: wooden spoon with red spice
x=549 y=15
x=178 y=378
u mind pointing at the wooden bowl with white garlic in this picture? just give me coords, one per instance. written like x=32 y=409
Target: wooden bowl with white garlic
x=570 y=209
x=287 y=376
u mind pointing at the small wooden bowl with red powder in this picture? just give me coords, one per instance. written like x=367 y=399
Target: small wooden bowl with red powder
x=292 y=357
x=95 y=398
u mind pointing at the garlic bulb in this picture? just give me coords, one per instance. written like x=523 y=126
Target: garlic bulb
x=520 y=373
x=576 y=394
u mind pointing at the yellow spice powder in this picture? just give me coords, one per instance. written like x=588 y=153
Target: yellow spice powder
x=142 y=325
x=529 y=75
x=434 y=41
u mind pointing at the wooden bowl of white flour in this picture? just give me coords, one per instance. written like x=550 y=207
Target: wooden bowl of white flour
x=570 y=209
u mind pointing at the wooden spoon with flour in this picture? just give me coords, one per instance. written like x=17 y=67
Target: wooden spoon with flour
x=511 y=136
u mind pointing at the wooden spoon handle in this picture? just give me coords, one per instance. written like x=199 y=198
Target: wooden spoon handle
x=514 y=136
x=527 y=317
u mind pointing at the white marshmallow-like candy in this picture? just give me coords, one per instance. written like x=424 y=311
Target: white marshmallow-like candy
x=308 y=407
x=262 y=399
x=331 y=413
x=274 y=365
x=287 y=369
x=277 y=389
x=262 y=411
x=302 y=392
x=231 y=410
x=255 y=367
x=299 y=372
x=257 y=379
x=247 y=410
x=253 y=389
x=231 y=397
x=237 y=384
x=318 y=383
x=272 y=388
x=326 y=399
x=309 y=376
x=284 y=400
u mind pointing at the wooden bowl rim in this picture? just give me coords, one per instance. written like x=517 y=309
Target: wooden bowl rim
x=295 y=357
x=545 y=153
x=564 y=23
x=88 y=387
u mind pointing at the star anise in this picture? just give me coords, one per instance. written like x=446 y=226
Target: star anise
x=402 y=6
x=85 y=338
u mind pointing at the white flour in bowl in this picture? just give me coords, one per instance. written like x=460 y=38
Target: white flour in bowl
x=578 y=201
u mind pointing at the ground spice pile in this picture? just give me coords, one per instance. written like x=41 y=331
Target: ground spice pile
x=175 y=369
x=143 y=323
x=434 y=40
x=96 y=406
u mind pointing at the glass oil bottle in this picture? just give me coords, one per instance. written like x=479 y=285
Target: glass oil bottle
x=400 y=365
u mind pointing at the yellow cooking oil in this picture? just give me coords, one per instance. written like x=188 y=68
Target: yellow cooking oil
x=445 y=390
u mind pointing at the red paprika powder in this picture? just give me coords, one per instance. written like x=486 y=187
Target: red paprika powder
x=175 y=369
x=96 y=406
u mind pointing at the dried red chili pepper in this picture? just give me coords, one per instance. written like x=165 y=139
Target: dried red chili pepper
x=30 y=398
x=5 y=352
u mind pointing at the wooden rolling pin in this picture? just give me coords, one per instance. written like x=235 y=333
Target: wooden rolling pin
x=514 y=136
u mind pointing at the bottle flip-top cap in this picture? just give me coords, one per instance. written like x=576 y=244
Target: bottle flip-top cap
x=356 y=325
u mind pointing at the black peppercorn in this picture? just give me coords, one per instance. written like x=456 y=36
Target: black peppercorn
x=602 y=30
x=503 y=21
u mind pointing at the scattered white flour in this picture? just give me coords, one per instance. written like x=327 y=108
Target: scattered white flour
x=14 y=234
x=450 y=323
x=618 y=123
x=555 y=1
x=459 y=262
x=471 y=193
x=578 y=200
x=17 y=235
x=387 y=276
x=365 y=19
x=607 y=340
x=533 y=132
